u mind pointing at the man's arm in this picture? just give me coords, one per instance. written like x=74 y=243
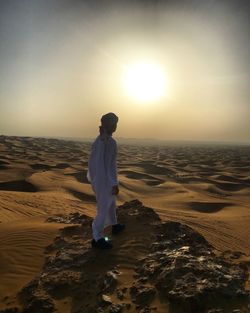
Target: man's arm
x=112 y=167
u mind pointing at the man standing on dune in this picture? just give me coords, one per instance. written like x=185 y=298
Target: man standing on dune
x=102 y=174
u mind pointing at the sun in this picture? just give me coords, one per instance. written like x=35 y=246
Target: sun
x=144 y=81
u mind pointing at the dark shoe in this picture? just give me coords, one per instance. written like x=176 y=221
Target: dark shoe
x=116 y=229
x=101 y=244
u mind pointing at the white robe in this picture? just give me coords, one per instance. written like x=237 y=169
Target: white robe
x=102 y=174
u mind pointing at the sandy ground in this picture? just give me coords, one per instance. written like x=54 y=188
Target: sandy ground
x=206 y=187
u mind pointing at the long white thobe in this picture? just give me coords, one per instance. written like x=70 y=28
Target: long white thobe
x=102 y=173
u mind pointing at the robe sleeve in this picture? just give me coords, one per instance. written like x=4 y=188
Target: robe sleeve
x=111 y=165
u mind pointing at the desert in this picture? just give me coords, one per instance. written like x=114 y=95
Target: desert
x=199 y=192
x=124 y=156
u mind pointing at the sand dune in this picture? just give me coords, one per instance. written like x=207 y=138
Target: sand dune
x=148 y=179
x=208 y=207
x=205 y=187
x=18 y=185
x=22 y=252
x=80 y=176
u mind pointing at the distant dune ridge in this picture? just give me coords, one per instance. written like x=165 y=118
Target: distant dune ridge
x=206 y=187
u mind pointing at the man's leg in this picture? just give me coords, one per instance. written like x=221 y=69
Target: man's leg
x=98 y=224
x=112 y=212
x=116 y=227
x=97 y=229
x=102 y=216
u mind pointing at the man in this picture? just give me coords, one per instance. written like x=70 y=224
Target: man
x=102 y=173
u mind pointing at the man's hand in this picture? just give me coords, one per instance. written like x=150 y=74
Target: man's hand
x=115 y=190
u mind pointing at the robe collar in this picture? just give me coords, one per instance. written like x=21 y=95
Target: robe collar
x=104 y=137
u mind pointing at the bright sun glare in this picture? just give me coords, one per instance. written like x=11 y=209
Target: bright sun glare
x=144 y=81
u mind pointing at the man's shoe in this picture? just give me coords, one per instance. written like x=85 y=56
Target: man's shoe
x=117 y=228
x=101 y=243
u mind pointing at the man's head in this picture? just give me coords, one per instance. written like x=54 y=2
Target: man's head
x=109 y=122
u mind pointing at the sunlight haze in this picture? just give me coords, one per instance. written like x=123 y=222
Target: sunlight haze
x=168 y=70
x=145 y=81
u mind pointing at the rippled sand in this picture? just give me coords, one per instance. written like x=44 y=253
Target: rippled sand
x=204 y=186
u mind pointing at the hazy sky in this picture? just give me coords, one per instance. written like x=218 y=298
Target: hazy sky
x=62 y=65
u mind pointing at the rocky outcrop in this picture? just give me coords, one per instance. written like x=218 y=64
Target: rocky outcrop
x=185 y=269
x=178 y=268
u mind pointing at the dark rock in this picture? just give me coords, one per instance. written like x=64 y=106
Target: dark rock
x=29 y=291
x=131 y=204
x=72 y=218
x=110 y=281
x=127 y=306
x=116 y=308
x=40 y=305
x=145 y=310
x=142 y=279
x=62 y=271
x=106 y=300
x=61 y=282
x=119 y=294
x=142 y=295
x=184 y=268
x=124 y=290
x=10 y=310
x=115 y=271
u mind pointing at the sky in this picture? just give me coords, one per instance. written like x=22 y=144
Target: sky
x=62 y=67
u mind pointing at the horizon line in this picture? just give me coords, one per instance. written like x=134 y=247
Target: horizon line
x=81 y=139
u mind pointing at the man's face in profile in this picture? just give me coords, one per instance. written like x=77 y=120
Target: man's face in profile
x=111 y=128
